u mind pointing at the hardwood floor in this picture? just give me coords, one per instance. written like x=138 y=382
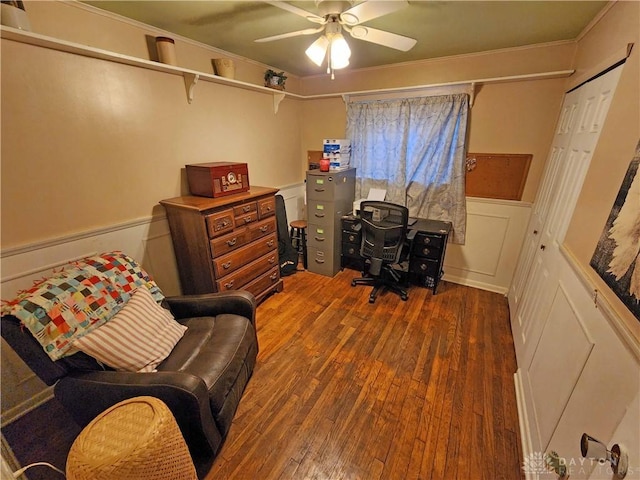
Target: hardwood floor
x=344 y=389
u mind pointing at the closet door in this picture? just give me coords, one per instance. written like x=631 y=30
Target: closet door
x=524 y=289
x=545 y=342
x=582 y=116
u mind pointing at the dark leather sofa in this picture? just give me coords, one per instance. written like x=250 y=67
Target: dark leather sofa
x=202 y=380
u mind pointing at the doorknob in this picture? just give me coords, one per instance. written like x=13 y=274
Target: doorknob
x=542 y=247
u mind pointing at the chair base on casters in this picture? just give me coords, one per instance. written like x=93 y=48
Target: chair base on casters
x=388 y=279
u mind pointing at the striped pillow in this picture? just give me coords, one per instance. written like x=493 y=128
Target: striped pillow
x=137 y=338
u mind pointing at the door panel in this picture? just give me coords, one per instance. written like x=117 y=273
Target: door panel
x=557 y=363
x=582 y=116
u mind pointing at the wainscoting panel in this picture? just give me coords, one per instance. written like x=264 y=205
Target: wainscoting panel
x=495 y=231
x=557 y=363
x=583 y=378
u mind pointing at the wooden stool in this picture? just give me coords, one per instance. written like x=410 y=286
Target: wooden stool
x=298 y=236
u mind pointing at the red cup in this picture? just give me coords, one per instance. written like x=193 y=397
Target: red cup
x=324 y=164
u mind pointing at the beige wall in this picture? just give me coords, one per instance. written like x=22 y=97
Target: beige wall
x=618 y=139
x=88 y=143
x=510 y=117
x=83 y=24
x=498 y=63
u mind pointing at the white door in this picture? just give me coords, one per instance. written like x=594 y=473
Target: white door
x=547 y=193
x=582 y=116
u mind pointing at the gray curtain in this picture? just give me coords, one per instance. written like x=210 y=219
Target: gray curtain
x=415 y=149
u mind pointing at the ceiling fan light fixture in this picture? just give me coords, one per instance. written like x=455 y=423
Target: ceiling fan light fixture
x=340 y=52
x=317 y=50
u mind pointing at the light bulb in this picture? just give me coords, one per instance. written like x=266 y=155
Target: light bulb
x=317 y=50
x=340 y=52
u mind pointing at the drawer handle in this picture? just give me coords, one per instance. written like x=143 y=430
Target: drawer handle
x=247 y=219
x=427 y=240
x=268 y=209
x=319 y=189
x=270 y=243
x=319 y=260
x=232 y=242
x=228 y=285
x=319 y=215
x=352 y=250
x=319 y=239
x=272 y=260
x=274 y=276
x=352 y=238
x=425 y=251
x=225 y=223
x=226 y=265
x=423 y=266
x=264 y=228
x=246 y=208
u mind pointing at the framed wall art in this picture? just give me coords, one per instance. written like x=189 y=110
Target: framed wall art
x=617 y=255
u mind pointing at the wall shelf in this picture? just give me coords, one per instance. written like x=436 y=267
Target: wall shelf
x=192 y=77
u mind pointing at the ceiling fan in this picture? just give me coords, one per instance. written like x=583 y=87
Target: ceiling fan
x=336 y=16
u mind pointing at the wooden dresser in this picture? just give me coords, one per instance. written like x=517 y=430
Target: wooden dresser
x=227 y=243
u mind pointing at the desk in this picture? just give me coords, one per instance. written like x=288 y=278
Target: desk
x=426 y=251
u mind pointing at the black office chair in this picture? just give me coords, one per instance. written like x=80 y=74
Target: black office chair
x=384 y=233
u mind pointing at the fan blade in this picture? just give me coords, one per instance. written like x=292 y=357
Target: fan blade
x=306 y=31
x=388 y=39
x=312 y=17
x=369 y=10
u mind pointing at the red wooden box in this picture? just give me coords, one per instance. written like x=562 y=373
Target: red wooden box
x=217 y=179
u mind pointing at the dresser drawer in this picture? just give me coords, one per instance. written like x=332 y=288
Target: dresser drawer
x=427 y=252
x=233 y=261
x=241 y=210
x=351 y=237
x=263 y=282
x=351 y=250
x=220 y=223
x=424 y=239
x=351 y=225
x=267 y=207
x=425 y=266
x=261 y=228
x=246 y=218
x=244 y=275
x=229 y=242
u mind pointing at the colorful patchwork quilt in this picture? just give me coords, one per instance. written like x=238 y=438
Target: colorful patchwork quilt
x=83 y=296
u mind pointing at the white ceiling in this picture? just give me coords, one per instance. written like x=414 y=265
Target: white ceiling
x=442 y=28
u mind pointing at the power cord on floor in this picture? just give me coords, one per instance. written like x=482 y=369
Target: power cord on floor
x=17 y=473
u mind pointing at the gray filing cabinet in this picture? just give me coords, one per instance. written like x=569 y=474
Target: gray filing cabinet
x=330 y=195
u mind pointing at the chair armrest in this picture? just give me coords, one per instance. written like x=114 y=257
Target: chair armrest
x=86 y=395
x=411 y=234
x=239 y=302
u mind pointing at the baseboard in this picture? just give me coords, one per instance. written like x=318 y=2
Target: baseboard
x=523 y=421
x=14 y=413
x=475 y=284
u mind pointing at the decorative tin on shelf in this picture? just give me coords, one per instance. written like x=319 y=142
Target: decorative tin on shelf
x=217 y=179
